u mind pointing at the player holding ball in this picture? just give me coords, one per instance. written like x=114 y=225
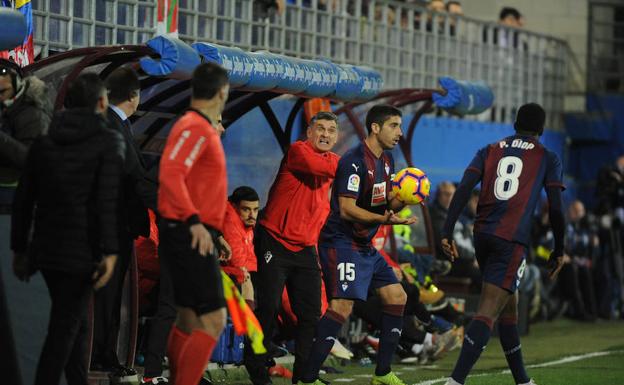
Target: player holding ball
x=361 y=201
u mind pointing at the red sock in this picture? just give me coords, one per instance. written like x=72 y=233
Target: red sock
x=177 y=339
x=194 y=357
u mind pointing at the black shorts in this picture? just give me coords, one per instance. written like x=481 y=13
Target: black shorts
x=197 y=282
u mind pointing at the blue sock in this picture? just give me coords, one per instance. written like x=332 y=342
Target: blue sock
x=475 y=340
x=510 y=341
x=391 y=327
x=326 y=332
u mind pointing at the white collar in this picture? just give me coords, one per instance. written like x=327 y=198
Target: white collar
x=119 y=112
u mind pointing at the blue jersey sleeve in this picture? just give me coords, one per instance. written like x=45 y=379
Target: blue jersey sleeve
x=554 y=171
x=349 y=178
x=477 y=165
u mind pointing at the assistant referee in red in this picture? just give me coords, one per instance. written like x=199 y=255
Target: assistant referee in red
x=192 y=200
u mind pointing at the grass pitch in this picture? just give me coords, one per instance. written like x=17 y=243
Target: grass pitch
x=556 y=353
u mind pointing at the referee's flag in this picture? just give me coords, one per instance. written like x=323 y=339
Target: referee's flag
x=243 y=318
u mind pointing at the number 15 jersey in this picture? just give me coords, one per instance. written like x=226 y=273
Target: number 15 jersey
x=513 y=172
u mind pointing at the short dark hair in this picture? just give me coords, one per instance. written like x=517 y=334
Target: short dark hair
x=324 y=115
x=448 y=5
x=85 y=91
x=208 y=78
x=123 y=84
x=509 y=11
x=531 y=117
x=379 y=114
x=243 y=193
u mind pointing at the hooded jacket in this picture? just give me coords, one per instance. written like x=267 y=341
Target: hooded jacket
x=70 y=185
x=22 y=120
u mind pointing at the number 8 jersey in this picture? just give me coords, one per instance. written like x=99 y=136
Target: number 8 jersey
x=513 y=172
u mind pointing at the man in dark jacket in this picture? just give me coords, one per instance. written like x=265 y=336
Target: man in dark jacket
x=25 y=112
x=70 y=187
x=123 y=93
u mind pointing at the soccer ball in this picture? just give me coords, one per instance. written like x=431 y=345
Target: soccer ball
x=411 y=185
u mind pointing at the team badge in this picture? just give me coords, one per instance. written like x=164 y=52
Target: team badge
x=345 y=286
x=354 y=183
x=268 y=256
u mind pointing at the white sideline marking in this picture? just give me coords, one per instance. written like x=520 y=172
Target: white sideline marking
x=564 y=360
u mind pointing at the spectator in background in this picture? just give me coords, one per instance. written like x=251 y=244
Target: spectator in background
x=438 y=210
x=610 y=264
x=466 y=266
x=438 y=7
x=70 y=186
x=25 y=113
x=266 y=8
x=454 y=8
x=576 y=282
x=238 y=230
x=510 y=17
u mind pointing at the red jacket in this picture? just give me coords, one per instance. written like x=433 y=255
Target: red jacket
x=298 y=202
x=146 y=251
x=193 y=182
x=240 y=238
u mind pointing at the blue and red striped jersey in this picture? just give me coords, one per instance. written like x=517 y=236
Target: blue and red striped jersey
x=367 y=179
x=513 y=172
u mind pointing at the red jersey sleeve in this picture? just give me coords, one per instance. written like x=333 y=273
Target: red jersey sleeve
x=303 y=158
x=181 y=152
x=233 y=237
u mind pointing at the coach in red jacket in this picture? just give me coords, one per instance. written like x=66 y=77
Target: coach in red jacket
x=286 y=240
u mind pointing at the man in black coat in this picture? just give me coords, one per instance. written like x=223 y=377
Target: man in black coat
x=136 y=194
x=69 y=188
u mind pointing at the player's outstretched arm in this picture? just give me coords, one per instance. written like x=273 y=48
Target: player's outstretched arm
x=557 y=222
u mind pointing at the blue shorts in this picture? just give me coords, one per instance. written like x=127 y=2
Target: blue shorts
x=349 y=273
x=501 y=262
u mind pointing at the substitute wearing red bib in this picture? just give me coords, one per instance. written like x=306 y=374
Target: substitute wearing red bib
x=192 y=203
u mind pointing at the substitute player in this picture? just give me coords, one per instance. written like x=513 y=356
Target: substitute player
x=360 y=203
x=192 y=200
x=286 y=240
x=512 y=173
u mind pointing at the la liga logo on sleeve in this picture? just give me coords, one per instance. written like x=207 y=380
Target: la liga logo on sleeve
x=354 y=183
